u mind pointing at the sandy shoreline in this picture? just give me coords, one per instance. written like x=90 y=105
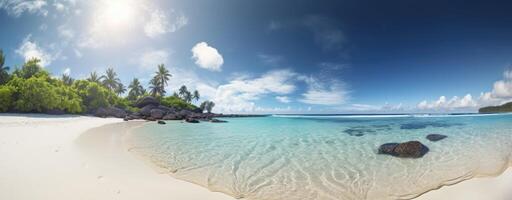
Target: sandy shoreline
x=40 y=158
x=77 y=157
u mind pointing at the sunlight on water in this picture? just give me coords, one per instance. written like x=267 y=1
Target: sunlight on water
x=316 y=157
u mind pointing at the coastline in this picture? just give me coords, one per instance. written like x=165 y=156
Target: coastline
x=41 y=158
x=79 y=157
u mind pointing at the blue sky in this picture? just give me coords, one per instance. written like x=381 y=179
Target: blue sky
x=280 y=56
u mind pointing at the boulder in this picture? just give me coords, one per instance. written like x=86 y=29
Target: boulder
x=217 y=121
x=150 y=119
x=161 y=122
x=110 y=112
x=185 y=114
x=436 y=137
x=157 y=113
x=191 y=120
x=411 y=149
x=146 y=110
x=145 y=101
x=171 y=116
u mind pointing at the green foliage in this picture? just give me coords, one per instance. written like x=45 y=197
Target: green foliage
x=93 y=95
x=39 y=94
x=4 y=70
x=6 y=98
x=497 y=109
x=31 y=68
x=159 y=81
x=176 y=102
x=136 y=90
x=111 y=81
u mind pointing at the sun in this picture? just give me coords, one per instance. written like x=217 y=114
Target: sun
x=117 y=13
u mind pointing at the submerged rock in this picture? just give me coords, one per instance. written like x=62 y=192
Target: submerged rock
x=217 y=121
x=190 y=120
x=161 y=122
x=411 y=149
x=436 y=137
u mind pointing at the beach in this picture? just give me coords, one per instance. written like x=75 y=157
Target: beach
x=77 y=157
x=40 y=158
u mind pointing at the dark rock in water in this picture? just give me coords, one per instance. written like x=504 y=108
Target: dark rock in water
x=157 y=113
x=161 y=122
x=170 y=116
x=147 y=101
x=217 y=121
x=436 y=137
x=411 y=149
x=191 y=120
x=126 y=119
x=110 y=112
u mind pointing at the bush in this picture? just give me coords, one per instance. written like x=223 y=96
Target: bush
x=93 y=95
x=6 y=98
x=177 y=102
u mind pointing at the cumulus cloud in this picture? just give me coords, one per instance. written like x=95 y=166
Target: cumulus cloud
x=159 y=23
x=17 y=7
x=207 y=57
x=29 y=49
x=455 y=103
x=239 y=95
x=151 y=59
x=283 y=99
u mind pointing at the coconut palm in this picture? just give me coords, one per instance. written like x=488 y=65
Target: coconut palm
x=196 y=95
x=136 y=89
x=183 y=91
x=187 y=97
x=161 y=78
x=4 y=70
x=66 y=79
x=154 y=87
x=93 y=77
x=110 y=80
x=120 y=89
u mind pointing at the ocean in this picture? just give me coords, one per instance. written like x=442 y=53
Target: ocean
x=327 y=156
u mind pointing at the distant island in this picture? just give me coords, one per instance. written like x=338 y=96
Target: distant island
x=507 y=107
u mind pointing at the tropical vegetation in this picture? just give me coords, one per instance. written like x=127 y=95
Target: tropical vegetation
x=31 y=88
x=507 y=107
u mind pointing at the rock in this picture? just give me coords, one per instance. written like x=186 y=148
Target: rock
x=157 y=113
x=191 y=120
x=161 y=122
x=411 y=149
x=171 y=116
x=110 y=112
x=217 y=121
x=145 y=101
x=146 y=110
x=436 y=137
x=126 y=119
x=150 y=119
x=185 y=114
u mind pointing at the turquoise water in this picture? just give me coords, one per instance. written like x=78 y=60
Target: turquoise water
x=327 y=157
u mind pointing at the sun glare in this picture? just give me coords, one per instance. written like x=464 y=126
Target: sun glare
x=117 y=13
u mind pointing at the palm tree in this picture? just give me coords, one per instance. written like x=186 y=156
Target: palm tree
x=136 y=89
x=154 y=87
x=183 y=91
x=4 y=71
x=66 y=79
x=120 y=89
x=207 y=105
x=188 y=97
x=196 y=95
x=93 y=77
x=161 y=77
x=110 y=80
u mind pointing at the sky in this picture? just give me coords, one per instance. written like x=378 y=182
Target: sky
x=288 y=56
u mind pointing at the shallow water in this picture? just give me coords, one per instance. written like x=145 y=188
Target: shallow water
x=331 y=157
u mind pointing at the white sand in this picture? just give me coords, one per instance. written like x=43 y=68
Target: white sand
x=48 y=157
x=40 y=158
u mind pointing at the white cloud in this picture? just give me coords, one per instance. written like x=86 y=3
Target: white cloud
x=159 y=23
x=65 y=32
x=320 y=94
x=239 y=95
x=455 y=103
x=17 y=7
x=29 y=49
x=78 y=54
x=207 y=57
x=151 y=59
x=283 y=99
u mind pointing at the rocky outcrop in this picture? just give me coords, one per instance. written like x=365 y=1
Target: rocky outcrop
x=110 y=112
x=191 y=120
x=161 y=122
x=411 y=149
x=217 y=121
x=157 y=113
x=144 y=101
x=436 y=137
